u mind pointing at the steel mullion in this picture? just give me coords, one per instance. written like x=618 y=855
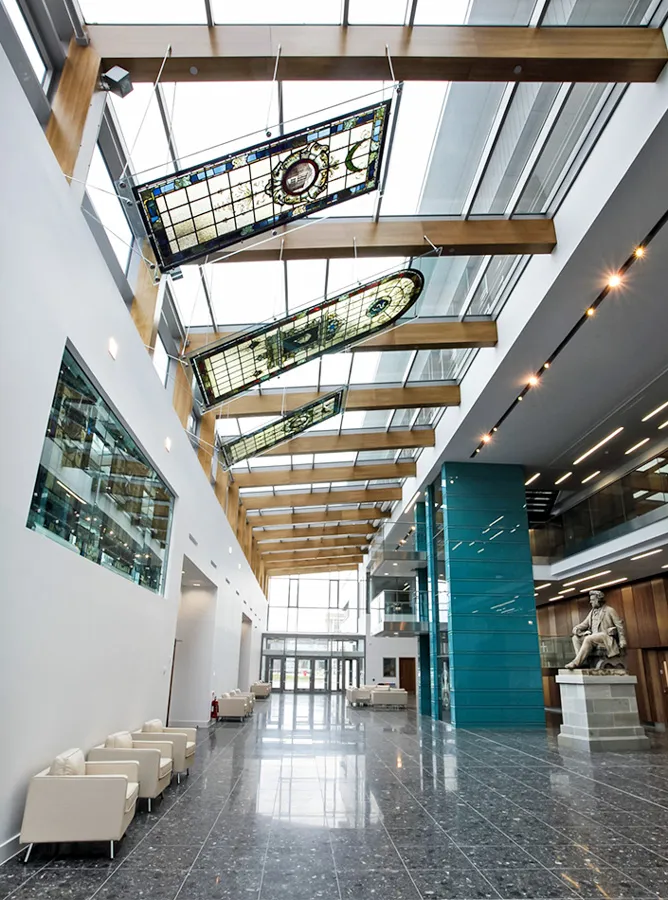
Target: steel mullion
x=207 y=297
x=490 y=145
x=167 y=125
x=388 y=151
x=538 y=13
x=209 y=13
x=480 y=274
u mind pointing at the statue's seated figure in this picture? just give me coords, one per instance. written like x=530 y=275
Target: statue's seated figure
x=599 y=641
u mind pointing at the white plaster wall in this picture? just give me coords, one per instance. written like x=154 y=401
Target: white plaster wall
x=191 y=690
x=244 y=654
x=377 y=648
x=88 y=649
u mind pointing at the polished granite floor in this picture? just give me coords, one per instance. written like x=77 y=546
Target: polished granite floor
x=312 y=800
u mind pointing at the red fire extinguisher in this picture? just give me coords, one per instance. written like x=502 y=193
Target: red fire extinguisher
x=214 y=708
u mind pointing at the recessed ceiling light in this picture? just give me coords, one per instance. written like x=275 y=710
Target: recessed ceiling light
x=563 y=478
x=614 y=280
x=230 y=549
x=558 y=597
x=663 y=424
x=591 y=311
x=567 y=591
x=664 y=567
x=594 y=587
x=533 y=478
x=486 y=438
x=196 y=584
x=395 y=564
x=533 y=380
x=639 y=444
x=112 y=346
x=655 y=411
x=600 y=444
x=546 y=365
x=649 y=553
x=588 y=577
x=540 y=588
x=639 y=252
x=168 y=444
x=589 y=477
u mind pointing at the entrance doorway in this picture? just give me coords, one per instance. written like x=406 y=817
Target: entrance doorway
x=311 y=674
x=407 y=673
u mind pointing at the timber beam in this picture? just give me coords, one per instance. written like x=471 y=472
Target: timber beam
x=444 y=334
x=360 y=52
x=363 y=399
x=369 y=514
x=356 y=442
x=332 y=553
x=405 y=236
x=320 y=498
x=313 y=569
x=279 y=547
x=264 y=538
x=275 y=477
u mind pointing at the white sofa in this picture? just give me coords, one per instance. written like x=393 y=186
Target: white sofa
x=360 y=696
x=261 y=690
x=154 y=758
x=74 y=800
x=183 y=740
x=232 y=706
x=384 y=695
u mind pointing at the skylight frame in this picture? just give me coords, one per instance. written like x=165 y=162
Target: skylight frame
x=235 y=187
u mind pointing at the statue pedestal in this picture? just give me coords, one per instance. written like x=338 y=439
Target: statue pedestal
x=600 y=711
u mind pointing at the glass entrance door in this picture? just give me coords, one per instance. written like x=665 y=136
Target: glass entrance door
x=320 y=675
x=289 y=674
x=304 y=674
x=275 y=673
x=335 y=674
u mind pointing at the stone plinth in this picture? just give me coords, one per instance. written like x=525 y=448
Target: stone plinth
x=600 y=711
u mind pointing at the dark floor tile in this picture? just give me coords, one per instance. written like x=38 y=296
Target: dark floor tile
x=603 y=882
x=301 y=886
x=529 y=883
x=207 y=884
x=508 y=856
x=14 y=873
x=62 y=884
x=430 y=854
x=168 y=859
x=281 y=862
x=453 y=884
x=369 y=885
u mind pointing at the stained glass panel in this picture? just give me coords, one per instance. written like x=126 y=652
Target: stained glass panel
x=284 y=429
x=210 y=206
x=232 y=366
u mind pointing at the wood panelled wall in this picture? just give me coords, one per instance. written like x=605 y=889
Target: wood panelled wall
x=644 y=607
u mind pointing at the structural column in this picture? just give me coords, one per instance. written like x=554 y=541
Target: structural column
x=424 y=664
x=493 y=639
x=432 y=608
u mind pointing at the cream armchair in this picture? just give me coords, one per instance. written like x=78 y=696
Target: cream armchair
x=248 y=697
x=232 y=707
x=261 y=689
x=75 y=800
x=154 y=758
x=183 y=740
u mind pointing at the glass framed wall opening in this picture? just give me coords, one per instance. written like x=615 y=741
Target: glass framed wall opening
x=312 y=663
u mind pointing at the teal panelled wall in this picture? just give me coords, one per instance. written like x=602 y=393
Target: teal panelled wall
x=424 y=668
x=493 y=639
x=432 y=608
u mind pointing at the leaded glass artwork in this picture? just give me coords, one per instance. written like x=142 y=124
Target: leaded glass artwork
x=296 y=422
x=233 y=365
x=210 y=206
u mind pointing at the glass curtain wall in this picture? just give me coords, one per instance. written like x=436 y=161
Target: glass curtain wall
x=315 y=604
x=96 y=493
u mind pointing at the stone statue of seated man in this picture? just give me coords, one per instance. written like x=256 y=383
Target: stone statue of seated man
x=603 y=629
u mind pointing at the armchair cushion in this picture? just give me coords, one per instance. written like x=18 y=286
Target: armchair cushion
x=120 y=740
x=131 y=794
x=152 y=726
x=71 y=762
x=165 y=766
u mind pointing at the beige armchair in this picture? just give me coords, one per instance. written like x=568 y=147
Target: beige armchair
x=261 y=689
x=248 y=697
x=154 y=758
x=183 y=740
x=75 y=800
x=360 y=696
x=232 y=707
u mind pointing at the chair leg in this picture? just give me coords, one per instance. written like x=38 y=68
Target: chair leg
x=178 y=778
x=27 y=856
x=188 y=771
x=111 y=849
x=149 y=804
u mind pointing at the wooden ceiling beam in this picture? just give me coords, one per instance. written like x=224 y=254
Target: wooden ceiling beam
x=265 y=538
x=360 y=52
x=276 y=477
x=358 y=399
x=280 y=547
x=356 y=442
x=329 y=553
x=420 y=335
x=310 y=569
x=404 y=236
x=368 y=514
x=320 y=498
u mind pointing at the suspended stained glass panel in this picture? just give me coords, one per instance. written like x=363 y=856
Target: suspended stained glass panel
x=284 y=429
x=208 y=207
x=233 y=365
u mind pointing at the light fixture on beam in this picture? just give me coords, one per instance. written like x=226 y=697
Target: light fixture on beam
x=589 y=477
x=587 y=578
x=649 y=553
x=233 y=365
x=563 y=478
x=654 y=411
x=532 y=479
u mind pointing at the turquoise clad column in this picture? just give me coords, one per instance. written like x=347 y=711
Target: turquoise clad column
x=424 y=667
x=434 y=625
x=493 y=639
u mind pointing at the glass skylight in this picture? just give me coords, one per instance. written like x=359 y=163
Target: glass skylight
x=231 y=366
x=213 y=205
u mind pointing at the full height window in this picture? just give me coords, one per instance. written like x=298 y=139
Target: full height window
x=96 y=493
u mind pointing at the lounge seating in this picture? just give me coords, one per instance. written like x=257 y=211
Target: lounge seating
x=184 y=741
x=231 y=706
x=384 y=695
x=74 y=800
x=248 y=697
x=154 y=758
x=260 y=690
x=360 y=696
